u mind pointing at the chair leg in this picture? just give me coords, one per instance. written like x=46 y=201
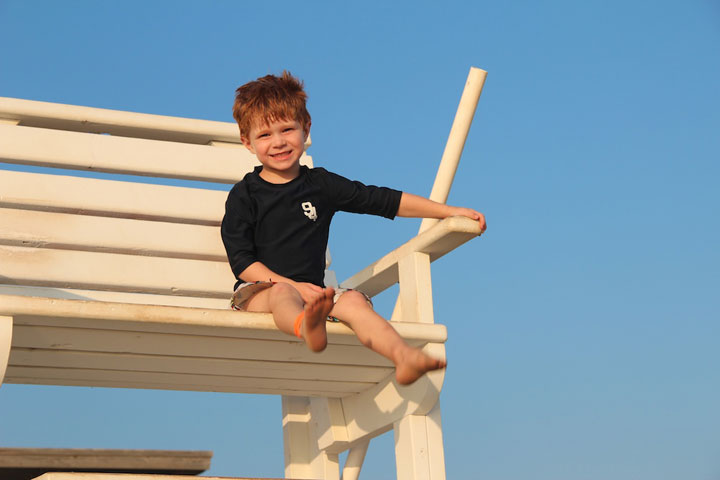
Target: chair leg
x=303 y=459
x=6 y=325
x=419 y=453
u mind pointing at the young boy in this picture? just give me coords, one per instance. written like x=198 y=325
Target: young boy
x=277 y=221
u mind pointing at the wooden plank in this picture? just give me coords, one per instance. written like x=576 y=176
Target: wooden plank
x=285 y=348
x=442 y=238
x=116 y=297
x=154 y=385
x=182 y=321
x=261 y=327
x=129 y=124
x=129 y=476
x=25 y=357
x=110 y=235
x=109 y=271
x=111 y=198
x=6 y=331
x=132 y=156
x=211 y=383
x=99 y=460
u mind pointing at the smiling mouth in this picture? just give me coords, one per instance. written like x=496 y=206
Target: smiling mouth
x=281 y=155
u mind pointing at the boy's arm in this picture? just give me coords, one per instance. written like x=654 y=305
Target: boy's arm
x=420 y=207
x=258 y=272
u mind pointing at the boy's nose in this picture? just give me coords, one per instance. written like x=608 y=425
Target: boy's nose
x=278 y=140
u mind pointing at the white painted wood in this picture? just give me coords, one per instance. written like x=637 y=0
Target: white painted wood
x=154 y=384
x=302 y=457
x=6 y=121
x=117 y=378
x=123 y=476
x=411 y=455
x=436 y=450
x=456 y=140
x=111 y=198
x=416 y=288
x=133 y=156
x=283 y=349
x=26 y=357
x=99 y=459
x=328 y=419
x=6 y=331
x=109 y=271
x=116 y=297
x=419 y=451
x=354 y=462
x=298 y=451
x=442 y=238
x=59 y=313
x=130 y=124
x=373 y=412
x=112 y=235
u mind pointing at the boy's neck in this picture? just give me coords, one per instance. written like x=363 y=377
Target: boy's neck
x=280 y=176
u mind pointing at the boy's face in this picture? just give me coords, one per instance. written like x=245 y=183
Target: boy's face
x=278 y=145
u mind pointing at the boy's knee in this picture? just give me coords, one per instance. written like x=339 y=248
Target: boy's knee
x=355 y=298
x=283 y=289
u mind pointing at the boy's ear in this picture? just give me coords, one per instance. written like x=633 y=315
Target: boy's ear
x=245 y=141
x=306 y=128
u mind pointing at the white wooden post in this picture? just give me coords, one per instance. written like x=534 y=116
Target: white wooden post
x=419 y=450
x=354 y=461
x=6 y=324
x=456 y=140
x=415 y=288
x=303 y=459
x=418 y=447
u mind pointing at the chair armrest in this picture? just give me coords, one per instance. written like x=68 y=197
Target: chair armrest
x=438 y=240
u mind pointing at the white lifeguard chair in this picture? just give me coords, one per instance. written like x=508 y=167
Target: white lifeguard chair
x=112 y=282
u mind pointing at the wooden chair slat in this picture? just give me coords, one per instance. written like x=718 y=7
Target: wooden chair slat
x=121 y=379
x=25 y=357
x=51 y=377
x=115 y=272
x=155 y=343
x=129 y=124
x=111 y=198
x=182 y=321
x=110 y=235
x=122 y=155
x=116 y=297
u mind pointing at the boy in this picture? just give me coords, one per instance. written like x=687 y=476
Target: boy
x=277 y=221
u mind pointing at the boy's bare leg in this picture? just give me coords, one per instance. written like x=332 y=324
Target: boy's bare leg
x=377 y=334
x=285 y=304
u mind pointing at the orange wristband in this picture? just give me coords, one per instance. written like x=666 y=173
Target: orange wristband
x=298 y=324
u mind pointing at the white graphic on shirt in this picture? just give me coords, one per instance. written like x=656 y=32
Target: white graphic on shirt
x=309 y=210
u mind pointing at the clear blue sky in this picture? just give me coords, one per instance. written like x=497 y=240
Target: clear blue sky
x=583 y=326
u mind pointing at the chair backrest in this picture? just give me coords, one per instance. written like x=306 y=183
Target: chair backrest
x=128 y=210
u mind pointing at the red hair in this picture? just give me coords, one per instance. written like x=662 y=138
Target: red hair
x=270 y=98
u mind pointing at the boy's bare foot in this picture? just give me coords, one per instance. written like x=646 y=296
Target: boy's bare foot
x=316 y=312
x=414 y=364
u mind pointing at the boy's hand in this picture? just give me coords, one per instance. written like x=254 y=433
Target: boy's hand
x=470 y=213
x=420 y=207
x=307 y=291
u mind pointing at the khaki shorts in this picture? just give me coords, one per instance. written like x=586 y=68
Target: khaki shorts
x=245 y=291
